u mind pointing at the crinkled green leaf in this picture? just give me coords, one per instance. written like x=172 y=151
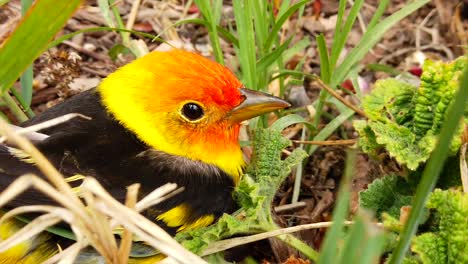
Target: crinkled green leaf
x=367 y=140
x=405 y=119
x=401 y=143
x=446 y=243
x=431 y=248
x=266 y=166
x=387 y=194
x=390 y=100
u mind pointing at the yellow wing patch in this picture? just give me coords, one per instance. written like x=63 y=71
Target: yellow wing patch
x=179 y=217
x=35 y=250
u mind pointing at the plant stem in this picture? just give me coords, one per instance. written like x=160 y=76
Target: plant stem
x=300 y=246
x=14 y=108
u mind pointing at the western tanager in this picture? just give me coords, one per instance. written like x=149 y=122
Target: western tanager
x=166 y=117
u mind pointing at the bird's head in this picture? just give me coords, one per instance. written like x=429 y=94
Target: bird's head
x=186 y=105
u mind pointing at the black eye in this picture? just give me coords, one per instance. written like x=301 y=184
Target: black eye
x=192 y=111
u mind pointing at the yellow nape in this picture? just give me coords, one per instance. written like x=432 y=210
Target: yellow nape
x=179 y=215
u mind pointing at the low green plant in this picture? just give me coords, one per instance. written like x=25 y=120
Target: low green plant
x=405 y=119
x=418 y=126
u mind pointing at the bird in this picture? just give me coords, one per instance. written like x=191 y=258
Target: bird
x=171 y=116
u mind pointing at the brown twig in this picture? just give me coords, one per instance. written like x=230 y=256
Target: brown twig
x=328 y=142
x=322 y=85
x=233 y=242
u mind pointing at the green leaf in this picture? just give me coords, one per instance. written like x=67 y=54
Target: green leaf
x=433 y=167
x=447 y=241
x=116 y=50
x=402 y=144
x=43 y=20
x=406 y=120
x=387 y=194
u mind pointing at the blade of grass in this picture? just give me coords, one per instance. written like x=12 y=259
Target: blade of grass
x=261 y=23
x=370 y=38
x=14 y=108
x=267 y=60
x=211 y=11
x=340 y=41
x=279 y=23
x=324 y=58
x=433 y=168
x=353 y=243
x=338 y=27
x=328 y=254
x=26 y=80
x=247 y=50
x=42 y=21
x=378 y=13
x=290 y=120
x=330 y=128
x=26 y=107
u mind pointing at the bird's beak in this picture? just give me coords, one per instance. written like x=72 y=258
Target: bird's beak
x=254 y=104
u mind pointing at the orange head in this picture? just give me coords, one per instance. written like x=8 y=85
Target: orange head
x=186 y=105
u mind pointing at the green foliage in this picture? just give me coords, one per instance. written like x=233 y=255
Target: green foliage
x=405 y=119
x=387 y=194
x=446 y=244
x=254 y=193
x=43 y=20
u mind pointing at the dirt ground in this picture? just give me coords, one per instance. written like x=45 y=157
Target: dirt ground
x=437 y=31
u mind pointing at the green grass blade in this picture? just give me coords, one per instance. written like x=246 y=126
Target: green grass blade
x=260 y=10
x=353 y=242
x=328 y=253
x=26 y=107
x=324 y=59
x=370 y=38
x=211 y=11
x=295 y=48
x=378 y=13
x=14 y=108
x=106 y=12
x=279 y=23
x=289 y=120
x=340 y=41
x=26 y=80
x=338 y=28
x=433 y=168
x=330 y=128
x=373 y=249
x=247 y=49
x=42 y=21
x=270 y=58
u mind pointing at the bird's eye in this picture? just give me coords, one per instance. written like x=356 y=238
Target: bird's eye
x=192 y=111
